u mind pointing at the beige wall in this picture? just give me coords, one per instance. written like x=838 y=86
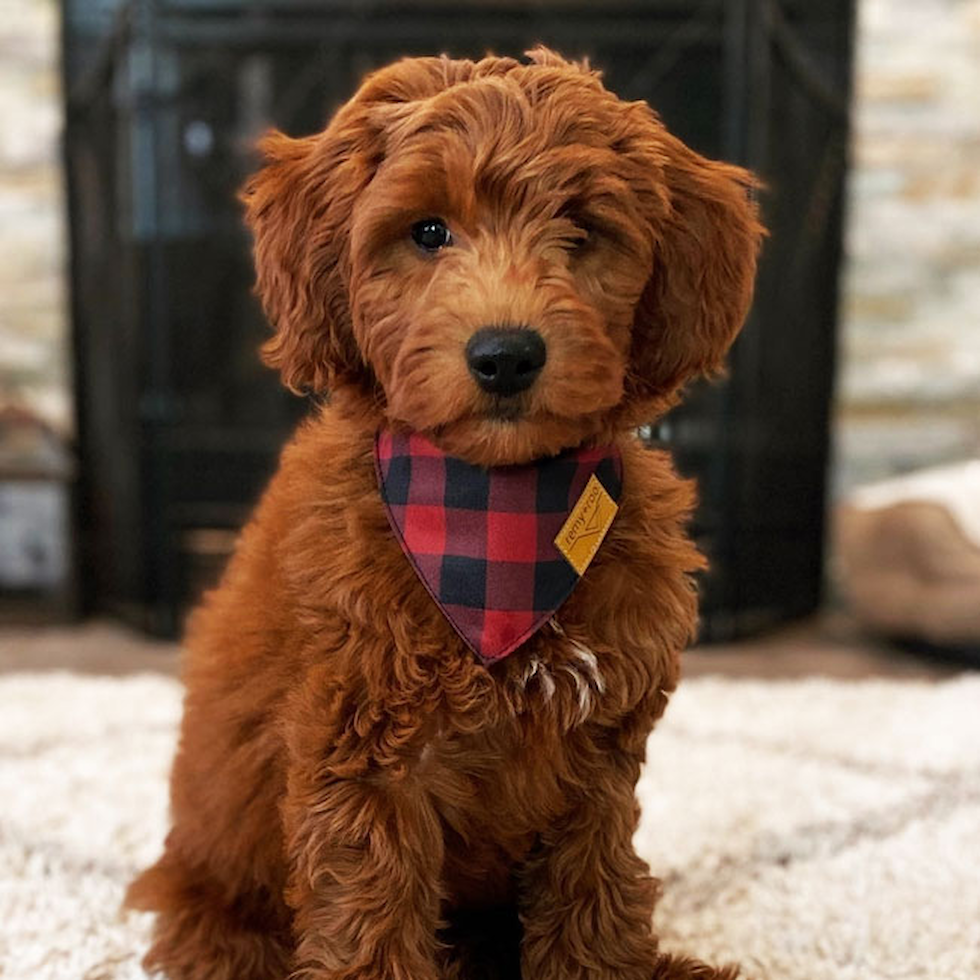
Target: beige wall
x=909 y=384
x=33 y=361
x=909 y=391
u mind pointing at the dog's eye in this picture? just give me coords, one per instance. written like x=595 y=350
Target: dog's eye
x=580 y=229
x=431 y=234
x=583 y=235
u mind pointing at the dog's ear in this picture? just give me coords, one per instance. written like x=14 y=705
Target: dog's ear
x=298 y=207
x=706 y=237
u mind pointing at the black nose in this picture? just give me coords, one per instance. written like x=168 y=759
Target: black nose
x=505 y=360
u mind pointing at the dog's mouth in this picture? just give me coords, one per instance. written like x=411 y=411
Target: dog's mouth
x=510 y=431
x=505 y=410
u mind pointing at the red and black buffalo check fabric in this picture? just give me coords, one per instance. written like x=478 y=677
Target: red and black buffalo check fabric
x=482 y=540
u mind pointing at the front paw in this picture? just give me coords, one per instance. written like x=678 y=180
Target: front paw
x=669 y=967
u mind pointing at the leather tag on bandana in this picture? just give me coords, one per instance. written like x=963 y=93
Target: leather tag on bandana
x=590 y=519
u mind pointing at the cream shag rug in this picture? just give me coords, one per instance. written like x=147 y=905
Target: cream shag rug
x=812 y=830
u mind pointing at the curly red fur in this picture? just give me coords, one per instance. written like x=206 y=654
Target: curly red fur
x=354 y=795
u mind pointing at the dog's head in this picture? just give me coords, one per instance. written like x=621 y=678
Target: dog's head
x=504 y=256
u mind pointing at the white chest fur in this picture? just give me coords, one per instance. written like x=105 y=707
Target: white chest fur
x=575 y=676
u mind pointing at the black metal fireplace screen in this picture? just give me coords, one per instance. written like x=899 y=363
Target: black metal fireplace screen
x=179 y=425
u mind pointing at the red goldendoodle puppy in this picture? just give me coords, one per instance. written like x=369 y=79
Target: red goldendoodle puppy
x=409 y=749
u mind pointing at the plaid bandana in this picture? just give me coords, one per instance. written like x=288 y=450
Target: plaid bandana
x=499 y=550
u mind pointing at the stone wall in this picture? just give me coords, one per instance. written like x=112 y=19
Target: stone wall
x=909 y=383
x=33 y=323
x=909 y=389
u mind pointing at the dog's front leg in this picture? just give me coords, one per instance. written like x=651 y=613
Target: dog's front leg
x=366 y=864
x=365 y=850
x=586 y=897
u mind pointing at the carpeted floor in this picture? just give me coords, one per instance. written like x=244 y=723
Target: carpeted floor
x=813 y=830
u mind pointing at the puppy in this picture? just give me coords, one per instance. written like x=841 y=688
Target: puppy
x=494 y=271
